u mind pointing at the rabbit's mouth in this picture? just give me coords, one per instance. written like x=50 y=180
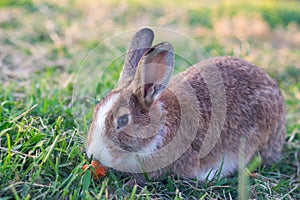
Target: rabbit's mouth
x=98 y=161
x=101 y=150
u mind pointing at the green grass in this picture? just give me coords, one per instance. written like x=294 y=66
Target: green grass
x=46 y=106
x=13 y=3
x=275 y=13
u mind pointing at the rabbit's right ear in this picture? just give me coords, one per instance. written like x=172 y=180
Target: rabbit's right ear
x=153 y=73
x=140 y=43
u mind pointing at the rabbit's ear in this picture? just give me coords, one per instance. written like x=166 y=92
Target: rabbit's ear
x=154 y=73
x=140 y=43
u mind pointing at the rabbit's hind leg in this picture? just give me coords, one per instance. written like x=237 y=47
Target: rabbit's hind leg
x=271 y=151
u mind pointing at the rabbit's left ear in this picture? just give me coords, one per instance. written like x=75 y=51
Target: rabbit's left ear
x=153 y=73
x=140 y=43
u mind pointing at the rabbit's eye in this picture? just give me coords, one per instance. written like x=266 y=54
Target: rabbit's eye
x=123 y=121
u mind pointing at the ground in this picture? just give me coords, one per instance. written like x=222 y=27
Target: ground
x=47 y=51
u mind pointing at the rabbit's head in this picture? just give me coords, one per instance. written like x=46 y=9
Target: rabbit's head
x=128 y=120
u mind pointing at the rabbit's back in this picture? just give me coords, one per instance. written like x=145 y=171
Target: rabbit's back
x=255 y=111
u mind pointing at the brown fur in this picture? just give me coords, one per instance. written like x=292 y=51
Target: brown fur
x=255 y=114
x=253 y=102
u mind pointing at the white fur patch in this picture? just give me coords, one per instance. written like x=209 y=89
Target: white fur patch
x=98 y=146
x=229 y=166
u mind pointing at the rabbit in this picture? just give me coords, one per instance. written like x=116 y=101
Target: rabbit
x=152 y=124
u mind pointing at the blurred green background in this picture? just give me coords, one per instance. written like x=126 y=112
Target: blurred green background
x=45 y=44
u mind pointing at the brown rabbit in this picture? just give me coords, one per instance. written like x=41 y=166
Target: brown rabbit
x=193 y=124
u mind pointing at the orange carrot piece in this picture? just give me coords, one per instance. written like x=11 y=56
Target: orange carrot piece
x=98 y=172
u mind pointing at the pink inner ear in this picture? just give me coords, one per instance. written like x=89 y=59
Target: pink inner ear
x=155 y=73
x=150 y=91
x=147 y=88
x=157 y=56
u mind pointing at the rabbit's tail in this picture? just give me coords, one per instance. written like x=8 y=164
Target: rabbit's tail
x=271 y=151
